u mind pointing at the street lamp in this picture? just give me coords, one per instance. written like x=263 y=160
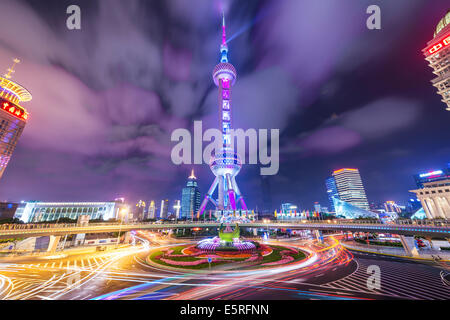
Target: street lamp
x=266 y=221
x=123 y=212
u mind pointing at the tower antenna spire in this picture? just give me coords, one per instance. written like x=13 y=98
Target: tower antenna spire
x=11 y=70
x=224 y=30
x=192 y=176
x=224 y=46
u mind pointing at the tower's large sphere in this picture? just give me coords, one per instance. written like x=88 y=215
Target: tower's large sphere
x=226 y=161
x=224 y=70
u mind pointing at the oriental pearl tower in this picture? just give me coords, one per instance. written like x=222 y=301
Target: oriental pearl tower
x=226 y=163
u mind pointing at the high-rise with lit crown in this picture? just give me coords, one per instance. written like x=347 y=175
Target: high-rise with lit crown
x=13 y=117
x=437 y=53
x=226 y=163
x=350 y=187
x=190 y=198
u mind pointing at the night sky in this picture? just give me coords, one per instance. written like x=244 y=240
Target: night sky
x=107 y=98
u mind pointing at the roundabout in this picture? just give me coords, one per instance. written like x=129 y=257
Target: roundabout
x=226 y=252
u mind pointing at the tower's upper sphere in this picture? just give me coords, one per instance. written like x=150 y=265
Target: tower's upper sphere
x=226 y=161
x=224 y=70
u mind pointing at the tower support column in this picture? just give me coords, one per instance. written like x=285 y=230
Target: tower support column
x=221 y=199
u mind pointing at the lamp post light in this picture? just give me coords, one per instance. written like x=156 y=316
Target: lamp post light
x=266 y=221
x=123 y=212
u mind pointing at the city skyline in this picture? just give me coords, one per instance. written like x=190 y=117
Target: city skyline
x=127 y=156
x=325 y=114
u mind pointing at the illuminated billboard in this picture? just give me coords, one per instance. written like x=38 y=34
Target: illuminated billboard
x=14 y=110
x=435 y=48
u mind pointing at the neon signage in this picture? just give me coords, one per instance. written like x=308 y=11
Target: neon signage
x=429 y=174
x=14 y=110
x=341 y=170
x=439 y=46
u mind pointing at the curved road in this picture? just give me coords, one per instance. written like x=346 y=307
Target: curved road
x=334 y=273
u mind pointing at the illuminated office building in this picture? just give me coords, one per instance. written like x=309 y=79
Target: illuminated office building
x=190 y=198
x=332 y=192
x=152 y=211
x=139 y=211
x=437 y=53
x=164 y=210
x=350 y=188
x=177 y=208
x=13 y=117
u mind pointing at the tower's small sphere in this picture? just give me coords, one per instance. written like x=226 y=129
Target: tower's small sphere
x=226 y=161
x=224 y=70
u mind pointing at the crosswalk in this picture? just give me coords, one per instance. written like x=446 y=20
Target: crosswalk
x=407 y=280
x=87 y=264
x=27 y=284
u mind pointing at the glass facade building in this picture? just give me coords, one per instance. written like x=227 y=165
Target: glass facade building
x=349 y=211
x=332 y=192
x=190 y=198
x=152 y=213
x=350 y=188
x=35 y=211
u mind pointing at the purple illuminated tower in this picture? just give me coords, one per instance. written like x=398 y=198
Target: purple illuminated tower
x=226 y=164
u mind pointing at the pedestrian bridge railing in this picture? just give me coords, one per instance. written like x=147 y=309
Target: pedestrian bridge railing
x=437 y=228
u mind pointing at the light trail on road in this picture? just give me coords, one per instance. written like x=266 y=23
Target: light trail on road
x=329 y=272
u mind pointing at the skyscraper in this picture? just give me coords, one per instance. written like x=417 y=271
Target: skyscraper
x=177 y=208
x=152 y=211
x=139 y=211
x=164 y=210
x=350 y=187
x=332 y=192
x=13 y=117
x=437 y=53
x=190 y=198
x=226 y=163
